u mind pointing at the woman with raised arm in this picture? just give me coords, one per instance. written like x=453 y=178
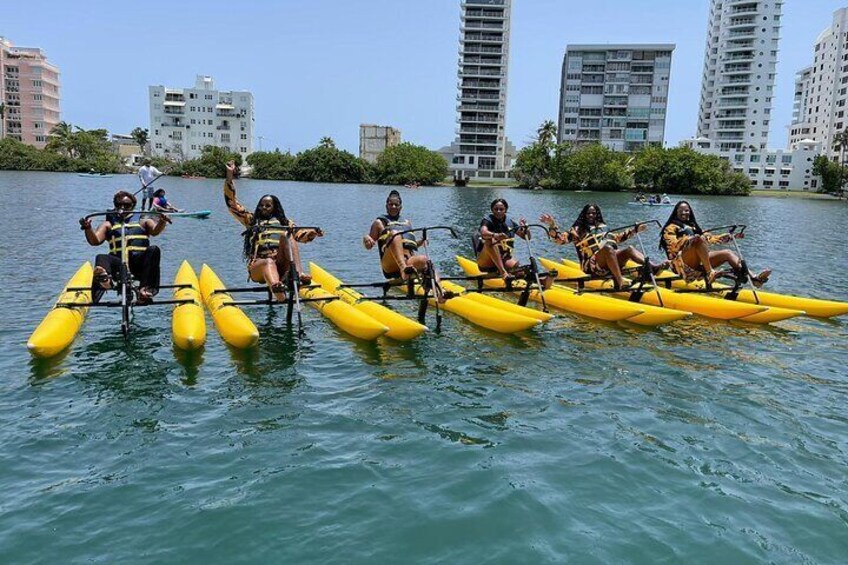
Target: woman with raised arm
x=269 y=245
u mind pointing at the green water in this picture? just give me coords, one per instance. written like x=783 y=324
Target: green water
x=583 y=441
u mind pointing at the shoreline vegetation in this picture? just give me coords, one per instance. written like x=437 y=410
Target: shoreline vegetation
x=543 y=164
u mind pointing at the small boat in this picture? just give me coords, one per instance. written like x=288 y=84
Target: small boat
x=646 y=203
x=192 y=177
x=195 y=214
x=412 y=185
x=95 y=175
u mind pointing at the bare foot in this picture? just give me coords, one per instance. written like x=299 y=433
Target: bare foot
x=102 y=278
x=144 y=296
x=278 y=289
x=761 y=279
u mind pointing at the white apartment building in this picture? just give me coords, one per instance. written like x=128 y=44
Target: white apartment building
x=781 y=169
x=616 y=95
x=799 y=129
x=481 y=147
x=739 y=71
x=185 y=120
x=821 y=90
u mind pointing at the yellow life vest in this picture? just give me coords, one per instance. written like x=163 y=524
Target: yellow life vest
x=134 y=232
x=268 y=235
x=594 y=241
x=394 y=225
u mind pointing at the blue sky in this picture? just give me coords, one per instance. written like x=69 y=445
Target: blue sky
x=322 y=67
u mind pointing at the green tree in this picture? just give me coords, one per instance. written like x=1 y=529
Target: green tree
x=592 y=167
x=272 y=165
x=408 y=163
x=327 y=142
x=211 y=163
x=831 y=174
x=141 y=137
x=532 y=166
x=325 y=163
x=60 y=138
x=546 y=134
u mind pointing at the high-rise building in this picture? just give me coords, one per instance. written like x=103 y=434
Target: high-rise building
x=821 y=90
x=373 y=140
x=29 y=94
x=185 y=120
x=481 y=147
x=616 y=95
x=739 y=71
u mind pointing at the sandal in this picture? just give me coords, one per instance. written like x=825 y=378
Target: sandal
x=305 y=278
x=409 y=271
x=144 y=296
x=657 y=268
x=278 y=288
x=759 y=280
x=102 y=278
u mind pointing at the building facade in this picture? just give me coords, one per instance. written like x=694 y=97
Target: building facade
x=373 y=140
x=781 y=169
x=616 y=95
x=185 y=120
x=481 y=147
x=821 y=90
x=739 y=71
x=29 y=93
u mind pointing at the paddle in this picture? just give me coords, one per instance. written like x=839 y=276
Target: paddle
x=143 y=186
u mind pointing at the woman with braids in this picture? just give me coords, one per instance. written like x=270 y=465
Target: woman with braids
x=688 y=248
x=397 y=252
x=268 y=243
x=598 y=249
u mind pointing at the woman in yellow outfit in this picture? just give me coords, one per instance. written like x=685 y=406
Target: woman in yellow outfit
x=688 y=248
x=598 y=249
x=269 y=245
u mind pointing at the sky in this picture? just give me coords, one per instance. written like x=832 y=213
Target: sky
x=321 y=67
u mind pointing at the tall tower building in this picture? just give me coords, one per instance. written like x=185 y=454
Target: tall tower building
x=29 y=93
x=481 y=143
x=185 y=120
x=739 y=71
x=821 y=90
x=615 y=95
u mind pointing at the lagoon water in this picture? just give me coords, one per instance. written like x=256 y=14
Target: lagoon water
x=582 y=441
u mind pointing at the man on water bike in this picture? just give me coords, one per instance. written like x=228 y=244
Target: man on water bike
x=397 y=252
x=143 y=258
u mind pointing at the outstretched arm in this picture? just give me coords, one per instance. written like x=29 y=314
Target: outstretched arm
x=239 y=212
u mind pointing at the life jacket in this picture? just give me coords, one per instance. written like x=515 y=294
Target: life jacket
x=395 y=224
x=597 y=237
x=267 y=235
x=134 y=232
x=506 y=226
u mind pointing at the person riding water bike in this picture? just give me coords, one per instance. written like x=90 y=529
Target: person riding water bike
x=494 y=242
x=688 y=248
x=398 y=258
x=143 y=258
x=269 y=245
x=598 y=249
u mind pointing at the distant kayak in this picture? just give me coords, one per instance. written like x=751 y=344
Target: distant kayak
x=95 y=175
x=195 y=214
x=191 y=177
x=651 y=203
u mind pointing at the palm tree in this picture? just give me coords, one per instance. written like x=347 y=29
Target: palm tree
x=840 y=142
x=61 y=137
x=546 y=132
x=327 y=142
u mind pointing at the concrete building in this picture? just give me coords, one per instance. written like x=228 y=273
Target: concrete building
x=185 y=120
x=373 y=140
x=481 y=148
x=739 y=71
x=616 y=95
x=781 y=169
x=800 y=129
x=821 y=90
x=29 y=93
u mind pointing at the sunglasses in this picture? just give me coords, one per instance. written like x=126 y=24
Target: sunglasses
x=126 y=205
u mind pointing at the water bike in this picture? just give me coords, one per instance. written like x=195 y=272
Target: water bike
x=58 y=329
x=239 y=331
x=713 y=300
x=423 y=289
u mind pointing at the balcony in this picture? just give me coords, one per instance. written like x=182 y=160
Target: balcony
x=471 y=83
x=747 y=34
x=463 y=128
x=480 y=49
x=482 y=3
x=738 y=57
x=483 y=37
x=479 y=120
x=482 y=26
x=223 y=128
x=477 y=97
x=478 y=60
x=470 y=13
x=472 y=72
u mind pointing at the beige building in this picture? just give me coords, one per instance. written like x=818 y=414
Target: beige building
x=29 y=93
x=373 y=140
